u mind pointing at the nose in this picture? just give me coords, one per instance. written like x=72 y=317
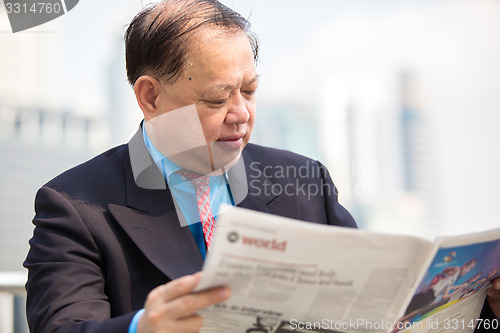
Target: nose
x=237 y=110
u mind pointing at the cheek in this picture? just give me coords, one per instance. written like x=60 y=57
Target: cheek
x=211 y=125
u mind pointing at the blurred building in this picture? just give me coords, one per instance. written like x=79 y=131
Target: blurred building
x=418 y=166
x=288 y=126
x=376 y=140
x=39 y=137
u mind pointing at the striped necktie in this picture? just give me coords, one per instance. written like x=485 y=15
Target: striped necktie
x=201 y=184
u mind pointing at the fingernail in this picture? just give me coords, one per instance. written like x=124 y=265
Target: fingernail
x=225 y=293
x=196 y=277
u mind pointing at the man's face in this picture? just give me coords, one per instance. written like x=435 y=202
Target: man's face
x=220 y=79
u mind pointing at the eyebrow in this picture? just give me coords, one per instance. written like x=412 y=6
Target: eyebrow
x=227 y=87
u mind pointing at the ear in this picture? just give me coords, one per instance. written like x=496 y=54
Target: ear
x=146 y=90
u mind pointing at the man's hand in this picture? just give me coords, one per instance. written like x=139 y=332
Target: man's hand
x=494 y=297
x=172 y=307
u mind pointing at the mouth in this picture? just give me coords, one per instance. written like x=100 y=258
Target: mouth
x=231 y=142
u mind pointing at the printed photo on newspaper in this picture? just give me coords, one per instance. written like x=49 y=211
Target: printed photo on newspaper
x=291 y=276
x=452 y=292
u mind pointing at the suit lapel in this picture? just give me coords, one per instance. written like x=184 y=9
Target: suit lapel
x=151 y=221
x=170 y=247
x=256 y=197
x=264 y=195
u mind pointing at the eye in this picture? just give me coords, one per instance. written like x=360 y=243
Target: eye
x=249 y=93
x=249 y=89
x=217 y=103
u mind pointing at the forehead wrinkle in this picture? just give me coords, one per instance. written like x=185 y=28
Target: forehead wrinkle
x=252 y=80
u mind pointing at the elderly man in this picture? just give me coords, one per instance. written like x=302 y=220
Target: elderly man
x=119 y=239
x=111 y=233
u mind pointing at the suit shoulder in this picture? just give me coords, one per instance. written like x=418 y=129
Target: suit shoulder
x=105 y=168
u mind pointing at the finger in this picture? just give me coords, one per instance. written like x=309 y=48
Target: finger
x=187 y=305
x=193 y=323
x=181 y=286
x=494 y=297
x=494 y=294
x=173 y=289
x=496 y=284
x=494 y=290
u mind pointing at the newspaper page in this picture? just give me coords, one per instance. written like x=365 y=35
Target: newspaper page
x=292 y=276
x=452 y=293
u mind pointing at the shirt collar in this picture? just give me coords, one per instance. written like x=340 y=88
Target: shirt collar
x=163 y=163
x=166 y=166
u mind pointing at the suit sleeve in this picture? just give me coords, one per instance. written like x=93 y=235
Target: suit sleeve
x=66 y=283
x=336 y=213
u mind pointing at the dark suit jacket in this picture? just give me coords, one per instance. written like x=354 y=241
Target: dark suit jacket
x=102 y=243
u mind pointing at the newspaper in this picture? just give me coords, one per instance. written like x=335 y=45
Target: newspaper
x=292 y=276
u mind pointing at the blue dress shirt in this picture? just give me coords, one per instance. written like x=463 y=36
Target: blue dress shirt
x=184 y=194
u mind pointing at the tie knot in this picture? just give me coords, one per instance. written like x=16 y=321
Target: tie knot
x=195 y=178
